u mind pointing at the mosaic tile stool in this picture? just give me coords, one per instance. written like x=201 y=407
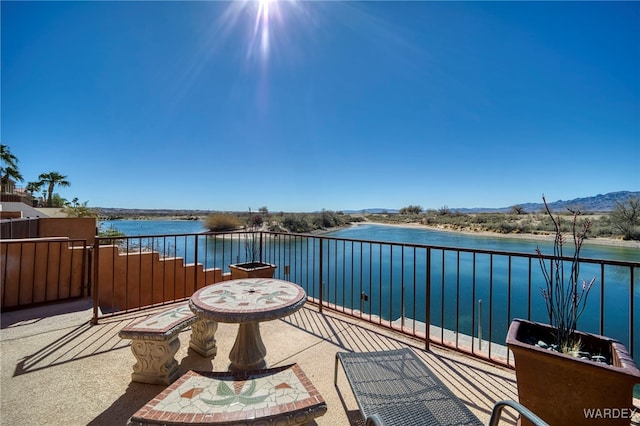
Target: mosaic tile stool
x=275 y=396
x=155 y=343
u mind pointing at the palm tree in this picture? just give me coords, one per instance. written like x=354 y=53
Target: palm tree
x=33 y=187
x=52 y=179
x=8 y=166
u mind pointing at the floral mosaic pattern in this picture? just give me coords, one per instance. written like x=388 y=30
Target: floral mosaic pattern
x=168 y=317
x=220 y=397
x=255 y=293
x=253 y=299
x=168 y=322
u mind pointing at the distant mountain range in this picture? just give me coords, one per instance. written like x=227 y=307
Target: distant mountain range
x=596 y=204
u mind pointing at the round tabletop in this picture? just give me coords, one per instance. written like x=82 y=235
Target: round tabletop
x=247 y=300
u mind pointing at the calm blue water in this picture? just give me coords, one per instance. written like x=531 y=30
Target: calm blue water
x=390 y=234
x=481 y=242
x=452 y=291
x=153 y=227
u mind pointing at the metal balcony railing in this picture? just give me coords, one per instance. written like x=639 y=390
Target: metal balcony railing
x=19 y=228
x=43 y=270
x=457 y=297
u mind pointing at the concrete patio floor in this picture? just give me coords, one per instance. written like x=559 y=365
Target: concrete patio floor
x=57 y=369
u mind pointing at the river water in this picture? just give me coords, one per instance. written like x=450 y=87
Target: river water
x=392 y=234
x=617 y=294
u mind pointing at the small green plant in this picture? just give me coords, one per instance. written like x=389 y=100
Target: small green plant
x=564 y=295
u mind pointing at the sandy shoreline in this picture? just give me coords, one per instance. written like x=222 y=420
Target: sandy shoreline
x=611 y=242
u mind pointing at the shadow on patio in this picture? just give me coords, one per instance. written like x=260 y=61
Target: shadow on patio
x=58 y=369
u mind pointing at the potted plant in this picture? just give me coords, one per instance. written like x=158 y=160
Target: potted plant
x=253 y=266
x=566 y=376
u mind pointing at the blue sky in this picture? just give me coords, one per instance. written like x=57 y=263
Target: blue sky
x=323 y=105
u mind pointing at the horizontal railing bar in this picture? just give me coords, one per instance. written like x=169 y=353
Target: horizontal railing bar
x=367 y=279
x=611 y=262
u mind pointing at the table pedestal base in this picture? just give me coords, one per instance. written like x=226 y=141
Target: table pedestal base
x=203 y=338
x=248 y=351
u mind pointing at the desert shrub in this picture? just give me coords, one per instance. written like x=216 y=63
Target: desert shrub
x=601 y=228
x=626 y=218
x=328 y=219
x=411 y=209
x=256 y=219
x=507 y=228
x=218 y=222
x=275 y=227
x=355 y=219
x=480 y=219
x=296 y=223
x=525 y=227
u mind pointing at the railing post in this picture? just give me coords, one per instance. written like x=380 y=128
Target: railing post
x=95 y=253
x=320 y=277
x=195 y=263
x=631 y=310
x=427 y=319
x=86 y=269
x=479 y=324
x=403 y=310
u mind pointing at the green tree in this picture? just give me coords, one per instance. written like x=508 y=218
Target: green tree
x=76 y=209
x=33 y=187
x=58 y=201
x=8 y=166
x=626 y=218
x=411 y=210
x=52 y=179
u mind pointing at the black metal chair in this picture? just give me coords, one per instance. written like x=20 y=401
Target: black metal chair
x=395 y=387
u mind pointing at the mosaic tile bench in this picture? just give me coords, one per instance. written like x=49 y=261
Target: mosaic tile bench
x=155 y=343
x=274 y=396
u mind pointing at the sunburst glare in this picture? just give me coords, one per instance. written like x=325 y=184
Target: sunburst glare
x=267 y=16
x=261 y=30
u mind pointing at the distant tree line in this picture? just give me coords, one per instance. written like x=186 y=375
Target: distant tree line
x=278 y=222
x=623 y=221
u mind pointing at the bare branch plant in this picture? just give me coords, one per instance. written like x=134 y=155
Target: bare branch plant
x=565 y=296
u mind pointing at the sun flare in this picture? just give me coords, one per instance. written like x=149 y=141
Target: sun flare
x=260 y=37
x=267 y=27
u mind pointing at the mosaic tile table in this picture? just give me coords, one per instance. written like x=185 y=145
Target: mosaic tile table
x=276 y=396
x=247 y=302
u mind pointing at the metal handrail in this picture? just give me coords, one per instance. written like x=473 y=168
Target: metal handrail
x=408 y=287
